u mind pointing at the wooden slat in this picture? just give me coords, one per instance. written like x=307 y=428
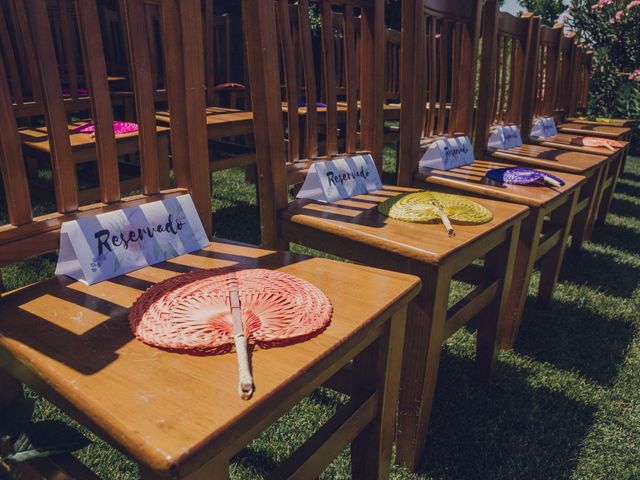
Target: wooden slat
x=432 y=95
x=14 y=176
x=455 y=70
x=467 y=308
x=311 y=97
x=372 y=79
x=312 y=458
x=210 y=52
x=329 y=79
x=26 y=48
x=175 y=85
x=192 y=63
x=267 y=113
x=143 y=86
x=412 y=91
x=291 y=81
x=64 y=175
x=69 y=46
x=351 y=77
x=443 y=69
x=10 y=60
x=96 y=75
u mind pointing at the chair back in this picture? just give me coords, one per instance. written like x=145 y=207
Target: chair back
x=20 y=63
x=28 y=235
x=547 y=70
x=579 y=98
x=565 y=76
x=439 y=57
x=506 y=61
x=392 y=65
x=310 y=94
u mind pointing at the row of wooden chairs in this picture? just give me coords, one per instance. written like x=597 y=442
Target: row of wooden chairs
x=175 y=414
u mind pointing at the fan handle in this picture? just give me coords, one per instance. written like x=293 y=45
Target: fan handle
x=245 y=384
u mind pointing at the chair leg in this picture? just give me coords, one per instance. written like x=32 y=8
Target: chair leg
x=607 y=195
x=10 y=389
x=595 y=206
x=552 y=261
x=582 y=219
x=527 y=245
x=378 y=367
x=421 y=359
x=499 y=264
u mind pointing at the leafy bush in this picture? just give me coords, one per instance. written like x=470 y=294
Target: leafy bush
x=611 y=29
x=22 y=440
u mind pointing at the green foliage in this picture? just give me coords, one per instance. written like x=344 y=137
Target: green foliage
x=21 y=440
x=612 y=31
x=548 y=10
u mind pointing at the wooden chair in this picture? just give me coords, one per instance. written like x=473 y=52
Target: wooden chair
x=72 y=344
x=354 y=228
x=564 y=83
x=221 y=89
x=544 y=71
x=451 y=40
x=578 y=99
x=29 y=109
x=505 y=74
x=223 y=123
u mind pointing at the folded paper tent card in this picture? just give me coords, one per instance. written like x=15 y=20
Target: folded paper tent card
x=104 y=246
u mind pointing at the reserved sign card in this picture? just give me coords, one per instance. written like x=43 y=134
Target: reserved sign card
x=448 y=153
x=340 y=178
x=544 y=127
x=504 y=136
x=97 y=248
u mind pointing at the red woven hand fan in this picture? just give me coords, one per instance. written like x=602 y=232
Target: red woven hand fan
x=596 y=142
x=210 y=311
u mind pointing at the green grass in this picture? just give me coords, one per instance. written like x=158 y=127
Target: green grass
x=565 y=402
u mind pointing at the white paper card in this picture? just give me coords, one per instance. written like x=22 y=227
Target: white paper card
x=504 y=136
x=340 y=178
x=543 y=127
x=448 y=153
x=97 y=248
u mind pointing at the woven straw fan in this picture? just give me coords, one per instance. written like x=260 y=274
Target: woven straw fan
x=432 y=207
x=524 y=176
x=596 y=142
x=215 y=311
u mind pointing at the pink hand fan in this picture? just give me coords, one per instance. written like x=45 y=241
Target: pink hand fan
x=211 y=311
x=119 y=128
x=596 y=142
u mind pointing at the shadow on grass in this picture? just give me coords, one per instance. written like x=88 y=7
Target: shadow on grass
x=626 y=188
x=626 y=175
x=625 y=208
x=600 y=271
x=617 y=236
x=502 y=430
x=573 y=338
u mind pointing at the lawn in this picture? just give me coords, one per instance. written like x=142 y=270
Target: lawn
x=565 y=403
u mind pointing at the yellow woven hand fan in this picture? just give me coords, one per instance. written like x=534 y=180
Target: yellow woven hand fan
x=432 y=207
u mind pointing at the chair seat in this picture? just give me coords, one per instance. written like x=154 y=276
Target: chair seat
x=563 y=140
x=552 y=158
x=38 y=139
x=169 y=411
x=607 y=131
x=358 y=220
x=221 y=122
x=614 y=122
x=473 y=179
